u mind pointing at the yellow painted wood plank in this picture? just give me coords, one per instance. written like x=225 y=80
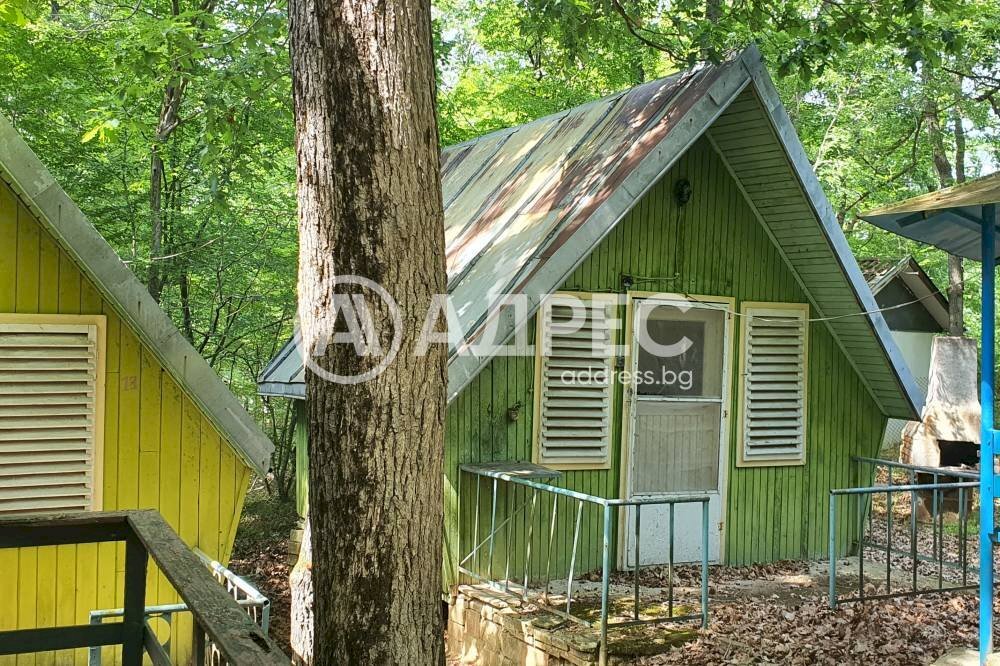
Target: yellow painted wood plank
x=8 y=604
x=128 y=436
x=149 y=469
x=190 y=470
x=242 y=486
x=45 y=601
x=171 y=418
x=69 y=285
x=87 y=574
x=149 y=403
x=8 y=248
x=65 y=579
x=27 y=569
x=114 y=340
x=90 y=299
x=112 y=389
x=48 y=274
x=128 y=421
x=26 y=297
x=208 y=491
x=228 y=469
x=149 y=444
x=107 y=585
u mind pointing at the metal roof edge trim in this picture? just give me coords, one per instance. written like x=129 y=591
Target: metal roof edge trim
x=282 y=390
x=785 y=131
x=290 y=345
x=67 y=223
x=917 y=280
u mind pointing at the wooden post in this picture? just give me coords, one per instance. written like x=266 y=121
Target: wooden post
x=136 y=560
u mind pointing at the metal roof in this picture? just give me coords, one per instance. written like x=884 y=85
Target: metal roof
x=881 y=272
x=948 y=219
x=524 y=206
x=284 y=375
x=31 y=181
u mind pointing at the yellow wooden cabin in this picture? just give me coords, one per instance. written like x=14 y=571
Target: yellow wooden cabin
x=103 y=406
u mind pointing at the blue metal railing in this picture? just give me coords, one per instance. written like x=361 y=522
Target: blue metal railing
x=505 y=480
x=965 y=491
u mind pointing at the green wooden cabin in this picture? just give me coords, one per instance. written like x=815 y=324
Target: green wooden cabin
x=686 y=206
x=104 y=406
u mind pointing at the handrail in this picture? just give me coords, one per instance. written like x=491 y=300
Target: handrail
x=956 y=472
x=145 y=533
x=503 y=474
x=864 y=495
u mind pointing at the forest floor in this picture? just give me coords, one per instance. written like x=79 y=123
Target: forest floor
x=260 y=555
x=774 y=613
x=779 y=614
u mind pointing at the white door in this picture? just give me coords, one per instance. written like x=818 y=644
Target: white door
x=678 y=404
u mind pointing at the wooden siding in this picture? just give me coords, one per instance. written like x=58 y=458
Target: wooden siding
x=160 y=452
x=301 y=457
x=752 y=152
x=714 y=245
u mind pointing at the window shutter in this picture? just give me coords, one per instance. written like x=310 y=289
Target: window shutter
x=774 y=383
x=48 y=399
x=576 y=361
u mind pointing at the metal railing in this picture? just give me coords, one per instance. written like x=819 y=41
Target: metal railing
x=903 y=539
x=256 y=605
x=521 y=497
x=217 y=617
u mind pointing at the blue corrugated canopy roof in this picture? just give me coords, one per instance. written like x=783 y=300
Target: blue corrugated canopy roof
x=948 y=219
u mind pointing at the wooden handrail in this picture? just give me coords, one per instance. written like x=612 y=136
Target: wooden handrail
x=145 y=533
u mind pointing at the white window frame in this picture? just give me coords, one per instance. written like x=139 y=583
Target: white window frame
x=99 y=324
x=745 y=458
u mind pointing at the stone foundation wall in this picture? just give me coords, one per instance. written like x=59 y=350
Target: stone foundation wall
x=495 y=629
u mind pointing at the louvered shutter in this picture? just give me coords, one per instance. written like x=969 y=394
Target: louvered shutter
x=576 y=381
x=774 y=383
x=48 y=398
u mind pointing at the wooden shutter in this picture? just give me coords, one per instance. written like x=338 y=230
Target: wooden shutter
x=774 y=383
x=49 y=378
x=576 y=365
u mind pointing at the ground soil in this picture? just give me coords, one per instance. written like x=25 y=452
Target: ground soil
x=260 y=554
x=774 y=613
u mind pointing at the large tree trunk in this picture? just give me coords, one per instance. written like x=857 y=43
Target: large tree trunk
x=369 y=199
x=300 y=583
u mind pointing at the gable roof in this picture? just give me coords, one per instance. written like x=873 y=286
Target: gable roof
x=524 y=206
x=23 y=171
x=880 y=273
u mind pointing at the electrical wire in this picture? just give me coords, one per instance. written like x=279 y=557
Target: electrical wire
x=637 y=279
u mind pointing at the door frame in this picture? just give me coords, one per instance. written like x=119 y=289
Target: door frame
x=627 y=411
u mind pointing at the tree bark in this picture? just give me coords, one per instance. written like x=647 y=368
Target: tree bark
x=956 y=268
x=369 y=199
x=300 y=582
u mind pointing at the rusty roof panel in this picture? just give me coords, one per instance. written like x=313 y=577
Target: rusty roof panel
x=530 y=188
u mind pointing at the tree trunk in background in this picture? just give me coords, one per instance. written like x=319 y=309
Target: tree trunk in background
x=369 y=199
x=956 y=269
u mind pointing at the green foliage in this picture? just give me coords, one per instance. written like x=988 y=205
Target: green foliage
x=85 y=84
